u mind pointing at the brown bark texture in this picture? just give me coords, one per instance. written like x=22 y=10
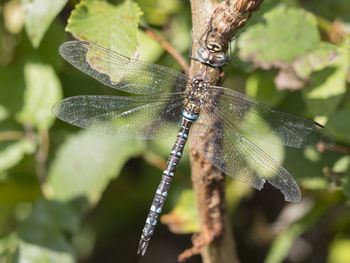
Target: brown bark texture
x=214 y=242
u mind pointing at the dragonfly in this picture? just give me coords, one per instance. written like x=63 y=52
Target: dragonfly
x=211 y=52
x=165 y=100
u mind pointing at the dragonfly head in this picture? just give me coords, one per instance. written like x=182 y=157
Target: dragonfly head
x=212 y=54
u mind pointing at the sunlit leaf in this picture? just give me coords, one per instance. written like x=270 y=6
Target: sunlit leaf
x=285 y=35
x=236 y=191
x=306 y=165
x=3 y=113
x=43 y=89
x=149 y=49
x=85 y=164
x=8 y=246
x=13 y=154
x=260 y=86
x=341 y=174
x=326 y=54
x=183 y=218
x=338 y=126
x=107 y=25
x=158 y=12
x=38 y=17
x=339 y=251
x=328 y=86
x=32 y=252
x=179 y=27
x=342 y=165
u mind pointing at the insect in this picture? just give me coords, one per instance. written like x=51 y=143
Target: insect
x=166 y=99
x=211 y=52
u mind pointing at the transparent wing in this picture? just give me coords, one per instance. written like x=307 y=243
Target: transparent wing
x=136 y=117
x=120 y=72
x=251 y=117
x=237 y=157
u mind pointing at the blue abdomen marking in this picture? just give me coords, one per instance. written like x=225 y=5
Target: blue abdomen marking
x=191 y=117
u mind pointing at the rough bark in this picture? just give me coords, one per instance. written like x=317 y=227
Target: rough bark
x=215 y=242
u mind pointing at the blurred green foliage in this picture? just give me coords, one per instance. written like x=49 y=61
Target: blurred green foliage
x=68 y=195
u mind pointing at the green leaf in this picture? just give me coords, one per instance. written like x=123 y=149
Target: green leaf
x=32 y=252
x=4 y=113
x=328 y=85
x=12 y=88
x=331 y=10
x=260 y=86
x=178 y=35
x=158 y=12
x=306 y=166
x=38 y=17
x=236 y=191
x=51 y=215
x=13 y=153
x=16 y=197
x=149 y=49
x=342 y=165
x=110 y=26
x=346 y=184
x=339 y=251
x=183 y=218
x=86 y=163
x=42 y=236
x=338 y=126
x=326 y=54
x=285 y=35
x=283 y=243
x=8 y=246
x=43 y=89
x=341 y=177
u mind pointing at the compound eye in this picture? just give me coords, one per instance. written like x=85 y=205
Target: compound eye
x=217 y=48
x=202 y=53
x=218 y=60
x=221 y=57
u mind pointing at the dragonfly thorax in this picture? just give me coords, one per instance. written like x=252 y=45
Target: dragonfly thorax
x=197 y=92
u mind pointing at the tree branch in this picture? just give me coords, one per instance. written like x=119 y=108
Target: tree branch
x=11 y=135
x=215 y=242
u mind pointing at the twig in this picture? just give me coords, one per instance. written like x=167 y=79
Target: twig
x=215 y=242
x=335 y=148
x=11 y=135
x=340 y=149
x=41 y=155
x=229 y=17
x=176 y=55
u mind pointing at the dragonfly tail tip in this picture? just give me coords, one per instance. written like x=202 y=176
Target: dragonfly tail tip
x=142 y=247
